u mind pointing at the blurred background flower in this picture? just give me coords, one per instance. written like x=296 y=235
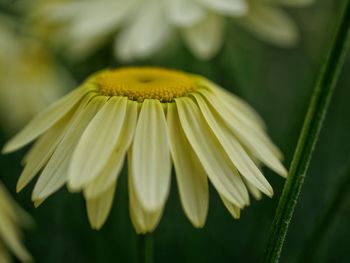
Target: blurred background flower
x=140 y=28
x=30 y=77
x=12 y=218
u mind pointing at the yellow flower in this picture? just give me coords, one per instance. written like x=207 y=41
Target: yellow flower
x=30 y=79
x=155 y=117
x=11 y=216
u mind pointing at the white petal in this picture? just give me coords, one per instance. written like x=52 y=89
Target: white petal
x=45 y=120
x=272 y=25
x=42 y=151
x=227 y=7
x=142 y=220
x=233 y=209
x=97 y=143
x=234 y=150
x=146 y=34
x=191 y=177
x=255 y=141
x=215 y=161
x=55 y=173
x=151 y=164
x=99 y=208
x=184 y=12
x=111 y=171
x=205 y=38
x=253 y=190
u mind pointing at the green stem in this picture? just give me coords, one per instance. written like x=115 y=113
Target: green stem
x=326 y=218
x=145 y=248
x=311 y=128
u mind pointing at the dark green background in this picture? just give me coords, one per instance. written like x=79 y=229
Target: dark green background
x=278 y=83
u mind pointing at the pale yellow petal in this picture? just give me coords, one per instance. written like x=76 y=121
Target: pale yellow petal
x=142 y=220
x=96 y=144
x=254 y=140
x=151 y=164
x=191 y=177
x=111 y=171
x=41 y=152
x=215 y=161
x=233 y=148
x=43 y=121
x=253 y=190
x=233 y=209
x=55 y=173
x=99 y=208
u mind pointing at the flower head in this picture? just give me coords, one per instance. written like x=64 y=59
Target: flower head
x=11 y=217
x=30 y=78
x=154 y=117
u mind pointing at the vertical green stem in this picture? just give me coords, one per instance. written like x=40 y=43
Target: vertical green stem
x=145 y=244
x=324 y=221
x=311 y=128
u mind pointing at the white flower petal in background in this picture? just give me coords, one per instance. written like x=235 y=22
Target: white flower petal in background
x=271 y=24
x=226 y=7
x=205 y=38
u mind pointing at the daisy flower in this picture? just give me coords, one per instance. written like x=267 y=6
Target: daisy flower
x=154 y=118
x=269 y=22
x=144 y=26
x=11 y=217
x=30 y=79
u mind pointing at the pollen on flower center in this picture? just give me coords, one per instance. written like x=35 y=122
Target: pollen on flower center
x=139 y=84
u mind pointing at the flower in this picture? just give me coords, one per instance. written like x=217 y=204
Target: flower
x=30 y=78
x=271 y=23
x=145 y=25
x=155 y=117
x=11 y=217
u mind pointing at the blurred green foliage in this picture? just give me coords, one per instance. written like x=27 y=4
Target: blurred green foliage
x=278 y=83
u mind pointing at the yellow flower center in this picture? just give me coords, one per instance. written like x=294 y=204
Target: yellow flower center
x=139 y=84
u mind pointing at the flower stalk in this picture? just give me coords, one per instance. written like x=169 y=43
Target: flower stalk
x=145 y=244
x=316 y=113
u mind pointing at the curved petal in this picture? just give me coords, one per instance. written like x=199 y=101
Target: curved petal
x=42 y=151
x=205 y=38
x=111 y=171
x=226 y=7
x=151 y=164
x=272 y=25
x=147 y=33
x=233 y=209
x=99 y=208
x=96 y=144
x=184 y=12
x=45 y=120
x=215 y=161
x=54 y=174
x=255 y=141
x=191 y=177
x=143 y=221
x=233 y=148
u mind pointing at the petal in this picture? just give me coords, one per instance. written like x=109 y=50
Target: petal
x=145 y=35
x=42 y=151
x=215 y=161
x=99 y=208
x=204 y=39
x=272 y=25
x=55 y=173
x=142 y=220
x=151 y=164
x=96 y=144
x=184 y=12
x=233 y=148
x=45 y=120
x=226 y=7
x=114 y=165
x=191 y=177
x=254 y=140
x=233 y=209
x=253 y=190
